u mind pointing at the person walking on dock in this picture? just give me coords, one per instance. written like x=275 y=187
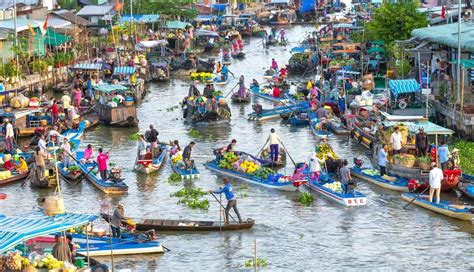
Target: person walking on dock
x=231 y=200
x=436 y=175
x=274 y=141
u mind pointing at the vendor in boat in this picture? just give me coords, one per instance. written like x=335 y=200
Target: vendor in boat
x=396 y=141
x=282 y=35
x=293 y=89
x=77 y=96
x=345 y=175
x=88 y=155
x=242 y=89
x=22 y=166
x=54 y=135
x=421 y=142
x=372 y=129
x=187 y=155
x=314 y=166
x=193 y=90
x=443 y=154
x=40 y=164
x=61 y=249
x=274 y=65
x=274 y=141
x=276 y=92
x=8 y=163
x=141 y=147
x=176 y=148
x=382 y=156
x=218 y=67
x=435 y=178
x=283 y=72
x=151 y=136
x=341 y=101
x=9 y=136
x=255 y=83
x=66 y=155
x=231 y=200
x=117 y=217
x=102 y=159
x=208 y=90
x=230 y=147
x=225 y=72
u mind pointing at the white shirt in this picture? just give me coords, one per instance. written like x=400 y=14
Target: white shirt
x=42 y=145
x=273 y=138
x=396 y=141
x=293 y=90
x=66 y=147
x=9 y=131
x=436 y=175
x=314 y=164
x=66 y=99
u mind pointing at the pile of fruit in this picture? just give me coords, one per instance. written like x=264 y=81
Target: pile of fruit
x=228 y=159
x=371 y=172
x=334 y=186
x=176 y=158
x=233 y=162
x=202 y=77
x=249 y=166
x=263 y=172
x=5 y=174
x=323 y=150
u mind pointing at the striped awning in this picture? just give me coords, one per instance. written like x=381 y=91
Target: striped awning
x=88 y=66
x=124 y=70
x=176 y=25
x=17 y=229
x=108 y=88
x=140 y=18
x=403 y=86
x=347 y=72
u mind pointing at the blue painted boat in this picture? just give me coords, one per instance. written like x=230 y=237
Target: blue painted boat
x=335 y=125
x=179 y=169
x=278 y=111
x=350 y=199
x=128 y=245
x=75 y=133
x=467 y=189
x=298 y=120
x=255 y=90
x=272 y=183
x=391 y=183
x=106 y=186
x=467 y=178
x=149 y=165
x=313 y=124
x=68 y=174
x=457 y=211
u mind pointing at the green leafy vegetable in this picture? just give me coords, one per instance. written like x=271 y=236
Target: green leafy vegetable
x=306 y=199
x=174 y=178
x=134 y=136
x=259 y=263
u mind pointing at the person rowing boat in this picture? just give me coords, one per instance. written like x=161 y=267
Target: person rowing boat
x=189 y=164
x=231 y=200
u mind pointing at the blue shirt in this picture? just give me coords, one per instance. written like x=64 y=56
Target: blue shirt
x=443 y=154
x=227 y=190
x=382 y=157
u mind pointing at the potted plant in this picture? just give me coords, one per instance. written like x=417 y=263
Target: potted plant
x=424 y=162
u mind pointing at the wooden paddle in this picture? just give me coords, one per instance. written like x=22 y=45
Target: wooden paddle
x=413 y=200
x=231 y=91
x=286 y=150
x=222 y=205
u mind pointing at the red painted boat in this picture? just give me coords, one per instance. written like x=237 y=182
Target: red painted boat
x=450 y=181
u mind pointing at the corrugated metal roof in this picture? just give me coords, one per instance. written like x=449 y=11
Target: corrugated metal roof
x=96 y=10
x=5 y=4
x=176 y=24
x=71 y=17
x=22 y=24
x=403 y=86
x=448 y=35
x=58 y=23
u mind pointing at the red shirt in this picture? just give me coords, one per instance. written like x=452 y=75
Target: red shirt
x=55 y=109
x=9 y=165
x=102 y=161
x=276 y=92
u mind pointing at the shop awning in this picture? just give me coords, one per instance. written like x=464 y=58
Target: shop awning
x=347 y=72
x=140 y=18
x=403 y=86
x=219 y=7
x=17 y=229
x=380 y=50
x=413 y=127
x=465 y=63
x=176 y=25
x=206 y=33
x=88 y=66
x=124 y=70
x=53 y=38
x=108 y=88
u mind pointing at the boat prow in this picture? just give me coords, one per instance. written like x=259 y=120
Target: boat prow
x=446 y=208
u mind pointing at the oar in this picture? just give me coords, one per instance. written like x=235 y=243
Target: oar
x=232 y=90
x=222 y=205
x=413 y=200
x=286 y=150
x=261 y=149
x=93 y=167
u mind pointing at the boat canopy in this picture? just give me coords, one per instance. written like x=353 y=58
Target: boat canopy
x=466 y=63
x=140 y=18
x=16 y=229
x=347 y=72
x=298 y=49
x=176 y=25
x=429 y=127
x=88 y=66
x=108 y=88
x=403 y=86
x=124 y=70
x=206 y=33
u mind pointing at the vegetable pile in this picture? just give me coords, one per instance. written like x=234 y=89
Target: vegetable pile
x=371 y=172
x=306 y=199
x=334 y=186
x=234 y=162
x=466 y=154
x=258 y=263
x=323 y=150
x=193 y=198
x=174 y=178
x=202 y=77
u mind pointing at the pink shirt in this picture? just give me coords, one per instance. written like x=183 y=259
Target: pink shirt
x=102 y=161
x=77 y=94
x=87 y=153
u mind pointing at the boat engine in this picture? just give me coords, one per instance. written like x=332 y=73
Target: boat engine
x=115 y=174
x=358 y=162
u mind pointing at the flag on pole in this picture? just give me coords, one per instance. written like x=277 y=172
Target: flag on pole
x=31 y=29
x=45 y=25
x=443 y=12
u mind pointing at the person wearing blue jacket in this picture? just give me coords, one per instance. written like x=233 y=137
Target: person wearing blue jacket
x=231 y=200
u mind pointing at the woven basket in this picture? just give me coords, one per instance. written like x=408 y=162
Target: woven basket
x=53 y=205
x=424 y=165
x=408 y=163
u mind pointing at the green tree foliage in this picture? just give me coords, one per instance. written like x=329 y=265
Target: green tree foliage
x=395 y=21
x=170 y=8
x=68 y=4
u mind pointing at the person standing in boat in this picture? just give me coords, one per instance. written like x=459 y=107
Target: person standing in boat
x=382 y=156
x=40 y=156
x=341 y=100
x=276 y=92
x=141 y=147
x=436 y=176
x=117 y=217
x=242 y=86
x=274 y=141
x=208 y=91
x=230 y=147
x=9 y=136
x=421 y=142
x=176 y=148
x=314 y=166
x=346 y=177
x=152 y=138
x=231 y=200
x=274 y=65
x=61 y=249
x=66 y=147
x=443 y=154
x=187 y=155
x=396 y=141
x=102 y=162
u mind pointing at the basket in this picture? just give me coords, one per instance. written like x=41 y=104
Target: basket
x=43 y=123
x=408 y=162
x=53 y=205
x=424 y=165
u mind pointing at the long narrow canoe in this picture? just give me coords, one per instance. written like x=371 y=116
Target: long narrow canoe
x=161 y=225
x=466 y=190
x=257 y=92
x=14 y=177
x=284 y=186
x=75 y=133
x=350 y=199
x=152 y=165
x=69 y=175
x=446 y=208
x=278 y=111
x=101 y=246
x=106 y=186
x=313 y=123
x=397 y=184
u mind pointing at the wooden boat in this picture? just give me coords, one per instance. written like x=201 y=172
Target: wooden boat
x=265 y=155
x=467 y=190
x=362 y=137
x=350 y=199
x=238 y=55
x=49 y=178
x=461 y=212
x=106 y=186
x=337 y=127
x=260 y=114
x=149 y=164
x=220 y=83
x=300 y=119
x=391 y=183
x=179 y=169
x=101 y=246
x=466 y=178
x=75 y=134
x=161 y=225
x=236 y=98
x=123 y=115
x=259 y=93
x=70 y=174
x=284 y=185
x=314 y=126
x=15 y=177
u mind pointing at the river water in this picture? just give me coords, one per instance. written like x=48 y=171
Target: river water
x=289 y=236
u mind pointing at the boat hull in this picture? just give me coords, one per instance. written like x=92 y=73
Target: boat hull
x=400 y=185
x=14 y=178
x=444 y=208
x=340 y=198
x=152 y=165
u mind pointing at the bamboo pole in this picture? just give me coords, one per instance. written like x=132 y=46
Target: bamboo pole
x=428 y=88
x=462 y=100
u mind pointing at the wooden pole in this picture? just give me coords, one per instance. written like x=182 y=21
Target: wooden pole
x=436 y=143
x=462 y=100
x=428 y=88
x=387 y=90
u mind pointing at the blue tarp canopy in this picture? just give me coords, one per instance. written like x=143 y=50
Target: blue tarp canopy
x=403 y=86
x=140 y=18
x=108 y=88
x=219 y=7
x=176 y=25
x=17 y=229
x=347 y=72
x=204 y=18
x=307 y=5
x=429 y=127
x=124 y=70
x=206 y=33
x=88 y=66
x=298 y=49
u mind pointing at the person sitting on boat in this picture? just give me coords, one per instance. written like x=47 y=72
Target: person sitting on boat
x=208 y=91
x=218 y=67
x=346 y=177
x=274 y=65
x=77 y=96
x=455 y=159
x=242 y=89
x=293 y=89
x=61 y=250
x=274 y=141
x=40 y=156
x=187 y=156
x=435 y=177
x=421 y=142
x=443 y=154
x=225 y=73
x=176 y=148
x=309 y=85
x=71 y=245
x=382 y=156
x=241 y=44
x=283 y=72
x=8 y=163
x=22 y=166
x=54 y=135
x=314 y=166
x=88 y=155
x=255 y=83
x=151 y=136
x=276 y=91
x=235 y=47
x=231 y=200
x=141 y=147
x=225 y=54
x=102 y=163
x=321 y=113
x=117 y=217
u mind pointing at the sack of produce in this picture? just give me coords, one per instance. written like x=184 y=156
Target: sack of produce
x=15 y=102
x=53 y=205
